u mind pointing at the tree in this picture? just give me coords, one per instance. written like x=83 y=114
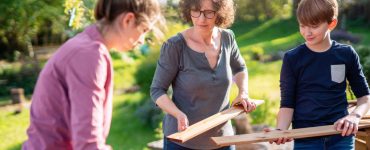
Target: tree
x=22 y=20
x=356 y=11
x=262 y=9
x=81 y=12
x=295 y=6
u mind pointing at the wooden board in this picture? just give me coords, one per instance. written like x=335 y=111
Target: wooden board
x=295 y=133
x=209 y=123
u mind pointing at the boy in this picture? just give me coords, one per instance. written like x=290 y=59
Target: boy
x=313 y=81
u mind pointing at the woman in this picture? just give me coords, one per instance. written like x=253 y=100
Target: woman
x=72 y=102
x=200 y=63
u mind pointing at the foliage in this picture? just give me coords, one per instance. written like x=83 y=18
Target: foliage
x=266 y=40
x=22 y=20
x=364 y=54
x=248 y=10
x=356 y=11
x=81 y=12
x=149 y=114
x=265 y=113
x=344 y=36
x=24 y=76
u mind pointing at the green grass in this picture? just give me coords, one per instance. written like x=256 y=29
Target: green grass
x=4 y=100
x=12 y=128
x=272 y=35
x=127 y=132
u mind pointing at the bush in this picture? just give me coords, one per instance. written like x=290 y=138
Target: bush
x=150 y=114
x=25 y=77
x=257 y=53
x=364 y=54
x=342 y=35
x=266 y=113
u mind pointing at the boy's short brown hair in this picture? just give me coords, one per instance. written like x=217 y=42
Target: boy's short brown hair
x=225 y=11
x=313 y=12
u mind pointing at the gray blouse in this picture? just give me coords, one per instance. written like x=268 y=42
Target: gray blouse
x=198 y=90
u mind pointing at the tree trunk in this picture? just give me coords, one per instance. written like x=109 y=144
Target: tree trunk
x=32 y=55
x=295 y=6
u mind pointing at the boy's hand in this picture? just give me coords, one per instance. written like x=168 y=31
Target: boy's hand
x=347 y=125
x=182 y=121
x=278 y=141
x=243 y=99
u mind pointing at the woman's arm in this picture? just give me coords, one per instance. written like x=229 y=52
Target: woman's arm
x=241 y=80
x=165 y=73
x=167 y=105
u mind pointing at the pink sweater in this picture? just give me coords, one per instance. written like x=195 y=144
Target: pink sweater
x=72 y=102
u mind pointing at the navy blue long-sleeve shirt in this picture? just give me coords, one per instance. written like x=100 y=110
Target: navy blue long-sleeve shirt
x=314 y=83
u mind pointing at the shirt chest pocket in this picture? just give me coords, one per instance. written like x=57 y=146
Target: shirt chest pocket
x=338 y=73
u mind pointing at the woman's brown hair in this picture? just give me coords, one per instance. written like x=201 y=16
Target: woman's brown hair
x=225 y=10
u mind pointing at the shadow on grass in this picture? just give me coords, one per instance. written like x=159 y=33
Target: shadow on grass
x=126 y=131
x=16 y=147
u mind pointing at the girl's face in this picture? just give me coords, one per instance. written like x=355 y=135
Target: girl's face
x=131 y=34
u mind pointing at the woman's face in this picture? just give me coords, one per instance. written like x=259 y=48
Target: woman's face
x=205 y=18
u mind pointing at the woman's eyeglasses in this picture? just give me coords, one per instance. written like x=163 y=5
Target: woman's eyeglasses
x=209 y=14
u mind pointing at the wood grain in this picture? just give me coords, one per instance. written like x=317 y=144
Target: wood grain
x=295 y=134
x=209 y=123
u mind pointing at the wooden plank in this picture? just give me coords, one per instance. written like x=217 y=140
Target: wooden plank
x=263 y=136
x=361 y=133
x=360 y=144
x=368 y=138
x=208 y=123
x=352 y=102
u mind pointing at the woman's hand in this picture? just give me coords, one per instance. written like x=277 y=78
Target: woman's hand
x=348 y=125
x=243 y=99
x=278 y=141
x=182 y=121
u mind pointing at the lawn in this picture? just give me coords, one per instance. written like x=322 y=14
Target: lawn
x=12 y=127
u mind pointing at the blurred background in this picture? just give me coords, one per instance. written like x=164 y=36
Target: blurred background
x=32 y=30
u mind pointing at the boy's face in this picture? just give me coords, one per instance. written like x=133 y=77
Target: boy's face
x=316 y=34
